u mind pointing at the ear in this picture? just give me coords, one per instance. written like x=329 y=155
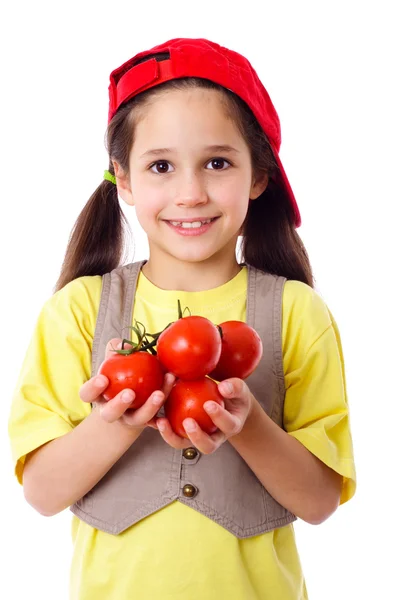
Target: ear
x=123 y=184
x=258 y=186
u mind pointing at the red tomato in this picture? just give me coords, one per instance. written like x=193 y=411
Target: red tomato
x=190 y=347
x=186 y=400
x=139 y=371
x=241 y=351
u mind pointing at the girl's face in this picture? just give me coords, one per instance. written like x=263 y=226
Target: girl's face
x=190 y=163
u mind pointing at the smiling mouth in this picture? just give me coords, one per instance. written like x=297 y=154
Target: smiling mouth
x=192 y=224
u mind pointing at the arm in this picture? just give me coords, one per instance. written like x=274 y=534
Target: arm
x=62 y=471
x=290 y=473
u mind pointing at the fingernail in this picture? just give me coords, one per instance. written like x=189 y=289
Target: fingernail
x=157 y=398
x=189 y=425
x=226 y=387
x=101 y=380
x=210 y=407
x=161 y=425
x=127 y=396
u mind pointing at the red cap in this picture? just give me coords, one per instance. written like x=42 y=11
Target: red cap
x=185 y=57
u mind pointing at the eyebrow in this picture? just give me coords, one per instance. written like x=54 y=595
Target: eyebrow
x=214 y=148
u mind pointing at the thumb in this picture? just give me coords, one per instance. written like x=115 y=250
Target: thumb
x=233 y=387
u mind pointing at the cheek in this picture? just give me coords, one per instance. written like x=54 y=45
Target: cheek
x=232 y=196
x=149 y=201
x=147 y=210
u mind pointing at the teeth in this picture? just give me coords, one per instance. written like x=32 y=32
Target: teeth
x=192 y=225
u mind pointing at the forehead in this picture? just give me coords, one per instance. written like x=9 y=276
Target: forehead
x=179 y=114
x=193 y=96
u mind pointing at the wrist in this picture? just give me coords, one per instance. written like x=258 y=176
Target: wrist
x=252 y=420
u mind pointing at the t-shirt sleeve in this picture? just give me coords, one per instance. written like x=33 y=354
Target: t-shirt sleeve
x=316 y=410
x=46 y=402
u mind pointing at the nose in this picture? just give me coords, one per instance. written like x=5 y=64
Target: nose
x=191 y=190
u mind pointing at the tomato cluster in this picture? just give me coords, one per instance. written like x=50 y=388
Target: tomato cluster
x=190 y=348
x=197 y=352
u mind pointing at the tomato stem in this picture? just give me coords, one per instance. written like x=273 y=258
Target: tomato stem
x=180 y=313
x=150 y=345
x=128 y=350
x=141 y=344
x=157 y=335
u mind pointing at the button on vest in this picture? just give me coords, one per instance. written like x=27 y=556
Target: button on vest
x=189 y=490
x=190 y=453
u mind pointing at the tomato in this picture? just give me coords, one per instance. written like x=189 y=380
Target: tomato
x=186 y=400
x=190 y=347
x=241 y=351
x=139 y=371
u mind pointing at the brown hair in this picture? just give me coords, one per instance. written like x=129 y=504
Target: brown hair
x=270 y=241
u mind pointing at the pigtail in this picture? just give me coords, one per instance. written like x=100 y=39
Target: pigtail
x=96 y=242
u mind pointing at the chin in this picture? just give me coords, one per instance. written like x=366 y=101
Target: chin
x=194 y=257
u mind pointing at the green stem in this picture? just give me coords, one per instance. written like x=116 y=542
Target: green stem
x=157 y=335
x=149 y=345
x=142 y=343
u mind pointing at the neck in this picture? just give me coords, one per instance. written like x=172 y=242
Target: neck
x=173 y=274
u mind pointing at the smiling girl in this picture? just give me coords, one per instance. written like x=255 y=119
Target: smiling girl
x=193 y=142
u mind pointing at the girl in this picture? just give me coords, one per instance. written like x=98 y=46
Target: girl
x=193 y=142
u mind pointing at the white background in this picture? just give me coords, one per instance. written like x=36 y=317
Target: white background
x=332 y=70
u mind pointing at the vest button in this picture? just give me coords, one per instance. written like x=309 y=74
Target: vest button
x=189 y=490
x=190 y=453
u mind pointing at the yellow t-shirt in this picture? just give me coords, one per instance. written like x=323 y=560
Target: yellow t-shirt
x=177 y=552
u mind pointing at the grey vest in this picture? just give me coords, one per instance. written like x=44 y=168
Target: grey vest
x=151 y=474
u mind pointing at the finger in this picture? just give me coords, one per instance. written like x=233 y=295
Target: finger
x=207 y=444
x=145 y=413
x=233 y=388
x=169 y=436
x=113 y=409
x=169 y=381
x=93 y=388
x=230 y=424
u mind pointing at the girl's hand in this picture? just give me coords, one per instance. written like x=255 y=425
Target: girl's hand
x=118 y=408
x=229 y=420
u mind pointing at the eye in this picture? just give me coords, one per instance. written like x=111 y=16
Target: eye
x=218 y=164
x=160 y=167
